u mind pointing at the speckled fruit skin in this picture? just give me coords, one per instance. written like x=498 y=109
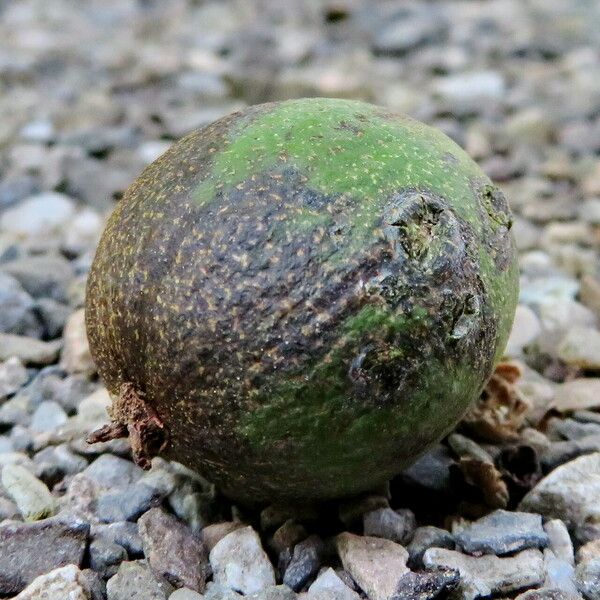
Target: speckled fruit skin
x=308 y=293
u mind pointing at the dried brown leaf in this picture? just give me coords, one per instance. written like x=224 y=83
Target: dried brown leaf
x=500 y=411
x=485 y=477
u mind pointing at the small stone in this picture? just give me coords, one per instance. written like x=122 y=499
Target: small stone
x=214 y=533
x=287 y=536
x=41 y=214
x=94 y=585
x=31 y=496
x=28 y=350
x=42 y=276
x=426 y=585
x=62 y=583
x=428 y=537
x=470 y=87
x=395 y=525
x=105 y=557
x=571 y=429
x=41 y=130
x=401 y=35
x=111 y=472
x=486 y=575
x=8 y=509
x=54 y=462
x=278 y=592
x=240 y=563
x=124 y=533
x=16 y=188
x=503 y=532
x=185 y=594
x=561 y=452
x=577 y=394
x=327 y=585
x=48 y=416
x=28 y=550
x=173 y=551
x=569 y=493
x=127 y=504
x=135 y=581
x=160 y=479
x=431 y=472
x=587 y=578
x=559 y=540
x=580 y=347
x=590 y=293
x=559 y=574
x=80 y=498
x=589 y=551
x=219 y=592
x=53 y=315
x=375 y=564
x=16 y=308
x=12 y=376
x=193 y=507
x=305 y=563
x=16 y=458
x=76 y=357
x=546 y=594
x=525 y=330
x=83 y=232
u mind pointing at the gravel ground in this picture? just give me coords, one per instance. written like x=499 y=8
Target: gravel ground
x=507 y=506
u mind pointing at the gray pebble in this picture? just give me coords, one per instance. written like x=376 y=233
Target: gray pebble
x=53 y=316
x=487 y=575
x=112 y=472
x=12 y=376
x=215 y=591
x=395 y=525
x=17 y=308
x=547 y=594
x=305 y=563
x=428 y=537
x=426 y=585
x=124 y=533
x=44 y=276
x=105 y=557
x=588 y=578
x=286 y=536
x=47 y=416
x=93 y=584
x=31 y=496
x=239 y=562
x=503 y=532
x=559 y=573
x=126 y=504
x=31 y=549
x=559 y=540
x=54 y=462
x=135 y=581
x=185 y=594
x=431 y=473
x=329 y=585
x=173 y=551
x=28 y=350
x=15 y=188
x=278 y=592
x=6 y=444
